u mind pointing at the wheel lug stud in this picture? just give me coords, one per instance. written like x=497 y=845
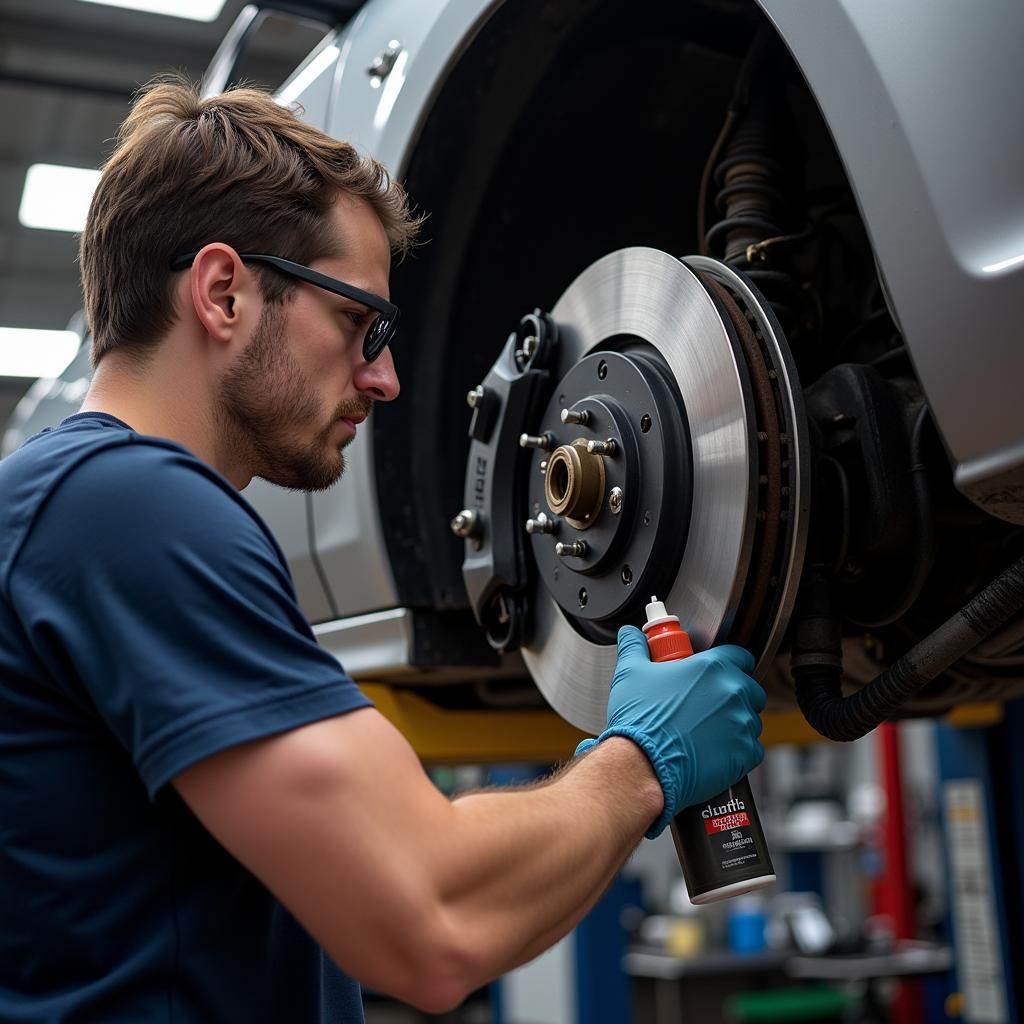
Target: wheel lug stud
x=581 y=417
x=545 y=441
x=577 y=549
x=608 y=447
x=543 y=523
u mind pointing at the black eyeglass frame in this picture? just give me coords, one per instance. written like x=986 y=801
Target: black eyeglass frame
x=379 y=333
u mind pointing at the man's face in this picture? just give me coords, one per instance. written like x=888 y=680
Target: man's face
x=297 y=393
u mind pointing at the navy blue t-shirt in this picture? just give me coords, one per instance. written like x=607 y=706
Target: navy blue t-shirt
x=147 y=621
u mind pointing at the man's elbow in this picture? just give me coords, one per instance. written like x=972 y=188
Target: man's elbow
x=449 y=969
x=435 y=971
x=436 y=995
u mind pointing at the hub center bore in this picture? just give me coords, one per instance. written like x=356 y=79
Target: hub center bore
x=574 y=484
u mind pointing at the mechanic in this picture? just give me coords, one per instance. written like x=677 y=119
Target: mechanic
x=203 y=819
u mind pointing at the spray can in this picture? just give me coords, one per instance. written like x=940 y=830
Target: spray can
x=720 y=844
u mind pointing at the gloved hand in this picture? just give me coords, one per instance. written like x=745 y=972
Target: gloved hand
x=696 y=719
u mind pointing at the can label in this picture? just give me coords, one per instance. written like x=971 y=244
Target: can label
x=726 y=822
x=721 y=841
x=731 y=840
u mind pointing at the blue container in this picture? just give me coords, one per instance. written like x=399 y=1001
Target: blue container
x=747 y=920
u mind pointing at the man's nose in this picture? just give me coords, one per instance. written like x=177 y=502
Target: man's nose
x=378 y=379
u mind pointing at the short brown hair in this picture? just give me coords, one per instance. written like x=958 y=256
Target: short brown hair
x=237 y=168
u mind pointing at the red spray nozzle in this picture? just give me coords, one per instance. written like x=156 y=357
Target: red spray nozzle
x=666 y=639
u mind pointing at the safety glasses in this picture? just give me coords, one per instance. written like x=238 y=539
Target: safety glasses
x=379 y=333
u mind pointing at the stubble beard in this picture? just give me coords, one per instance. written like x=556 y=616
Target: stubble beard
x=265 y=401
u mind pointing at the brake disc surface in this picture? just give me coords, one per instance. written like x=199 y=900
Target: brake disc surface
x=650 y=296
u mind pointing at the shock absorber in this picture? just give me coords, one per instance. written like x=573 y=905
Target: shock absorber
x=752 y=234
x=748 y=197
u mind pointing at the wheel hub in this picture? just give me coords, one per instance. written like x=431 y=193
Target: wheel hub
x=616 y=489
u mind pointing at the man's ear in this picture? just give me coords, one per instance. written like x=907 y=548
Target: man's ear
x=221 y=289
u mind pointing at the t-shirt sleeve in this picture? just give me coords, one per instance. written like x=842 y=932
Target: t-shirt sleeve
x=149 y=588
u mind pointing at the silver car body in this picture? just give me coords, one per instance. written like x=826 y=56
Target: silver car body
x=921 y=101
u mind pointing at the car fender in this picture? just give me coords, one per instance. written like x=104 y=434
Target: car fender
x=921 y=100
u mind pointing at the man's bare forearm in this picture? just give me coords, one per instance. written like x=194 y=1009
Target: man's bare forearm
x=413 y=894
x=525 y=866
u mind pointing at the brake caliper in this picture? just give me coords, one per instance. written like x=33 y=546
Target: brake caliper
x=513 y=393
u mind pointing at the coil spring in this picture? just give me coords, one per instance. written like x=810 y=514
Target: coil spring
x=753 y=208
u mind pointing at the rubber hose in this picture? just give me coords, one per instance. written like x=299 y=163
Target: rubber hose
x=817 y=655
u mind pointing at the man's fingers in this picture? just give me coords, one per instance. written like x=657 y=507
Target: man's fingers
x=739 y=656
x=758 y=698
x=632 y=646
x=758 y=753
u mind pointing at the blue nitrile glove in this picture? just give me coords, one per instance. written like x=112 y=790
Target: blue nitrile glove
x=695 y=719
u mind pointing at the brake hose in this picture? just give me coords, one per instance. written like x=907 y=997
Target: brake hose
x=817 y=664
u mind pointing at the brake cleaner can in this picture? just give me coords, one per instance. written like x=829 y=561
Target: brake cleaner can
x=720 y=843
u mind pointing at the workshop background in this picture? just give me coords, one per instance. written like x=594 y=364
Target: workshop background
x=895 y=902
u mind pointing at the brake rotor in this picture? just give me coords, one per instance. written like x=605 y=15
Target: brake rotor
x=682 y=367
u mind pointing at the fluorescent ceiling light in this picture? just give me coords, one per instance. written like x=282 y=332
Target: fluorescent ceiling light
x=308 y=75
x=197 y=10
x=29 y=353
x=57 y=198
